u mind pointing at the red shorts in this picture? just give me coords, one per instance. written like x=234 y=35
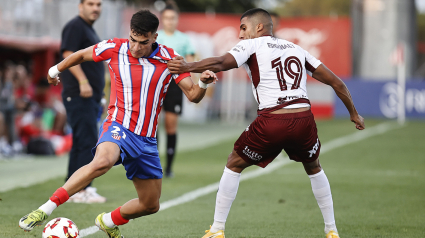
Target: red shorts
x=269 y=134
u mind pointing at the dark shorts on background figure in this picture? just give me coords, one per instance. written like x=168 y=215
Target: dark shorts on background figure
x=173 y=101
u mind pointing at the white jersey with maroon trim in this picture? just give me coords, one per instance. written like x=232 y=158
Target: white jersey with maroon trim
x=277 y=69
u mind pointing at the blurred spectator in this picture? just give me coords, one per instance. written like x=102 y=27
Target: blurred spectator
x=173 y=101
x=30 y=114
x=8 y=136
x=82 y=93
x=276 y=22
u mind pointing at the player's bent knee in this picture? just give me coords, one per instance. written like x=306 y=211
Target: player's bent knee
x=236 y=163
x=312 y=167
x=152 y=209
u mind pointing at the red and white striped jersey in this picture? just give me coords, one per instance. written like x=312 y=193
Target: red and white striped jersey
x=277 y=68
x=138 y=85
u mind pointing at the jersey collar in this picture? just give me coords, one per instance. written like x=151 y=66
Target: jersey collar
x=155 y=46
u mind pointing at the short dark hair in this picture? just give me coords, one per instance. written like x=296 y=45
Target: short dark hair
x=171 y=6
x=143 y=22
x=255 y=11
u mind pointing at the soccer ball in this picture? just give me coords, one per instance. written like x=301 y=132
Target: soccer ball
x=60 y=227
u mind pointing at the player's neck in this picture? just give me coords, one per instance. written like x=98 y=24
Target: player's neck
x=169 y=32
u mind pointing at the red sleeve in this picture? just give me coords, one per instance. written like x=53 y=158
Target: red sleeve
x=103 y=50
x=179 y=77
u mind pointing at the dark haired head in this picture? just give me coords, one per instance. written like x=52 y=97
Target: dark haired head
x=170 y=7
x=259 y=16
x=143 y=22
x=256 y=12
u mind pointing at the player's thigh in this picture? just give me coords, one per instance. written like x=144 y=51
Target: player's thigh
x=107 y=154
x=148 y=190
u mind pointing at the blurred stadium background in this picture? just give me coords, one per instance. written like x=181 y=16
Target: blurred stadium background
x=376 y=46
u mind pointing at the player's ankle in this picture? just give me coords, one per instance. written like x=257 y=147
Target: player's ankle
x=60 y=196
x=107 y=220
x=217 y=226
x=330 y=227
x=117 y=218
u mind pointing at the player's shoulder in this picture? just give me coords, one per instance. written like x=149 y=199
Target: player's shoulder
x=180 y=34
x=74 y=24
x=166 y=51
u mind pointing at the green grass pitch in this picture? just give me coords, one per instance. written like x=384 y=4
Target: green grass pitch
x=378 y=188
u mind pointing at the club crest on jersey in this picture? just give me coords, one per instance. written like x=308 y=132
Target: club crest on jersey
x=116 y=136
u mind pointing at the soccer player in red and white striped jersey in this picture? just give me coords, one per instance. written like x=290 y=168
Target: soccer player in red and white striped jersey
x=140 y=79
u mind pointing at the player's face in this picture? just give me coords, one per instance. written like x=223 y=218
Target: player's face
x=170 y=19
x=90 y=10
x=247 y=29
x=141 y=45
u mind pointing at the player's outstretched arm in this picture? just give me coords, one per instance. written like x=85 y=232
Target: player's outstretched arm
x=216 y=64
x=195 y=92
x=72 y=60
x=326 y=76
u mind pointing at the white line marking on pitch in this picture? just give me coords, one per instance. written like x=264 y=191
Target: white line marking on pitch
x=279 y=162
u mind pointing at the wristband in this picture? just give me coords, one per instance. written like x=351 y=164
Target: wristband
x=202 y=85
x=54 y=71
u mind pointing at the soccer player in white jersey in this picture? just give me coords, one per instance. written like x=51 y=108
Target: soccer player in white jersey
x=140 y=78
x=278 y=70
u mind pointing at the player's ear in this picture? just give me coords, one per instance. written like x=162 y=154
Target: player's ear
x=260 y=27
x=156 y=36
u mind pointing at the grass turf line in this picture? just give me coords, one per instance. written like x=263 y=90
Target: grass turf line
x=277 y=205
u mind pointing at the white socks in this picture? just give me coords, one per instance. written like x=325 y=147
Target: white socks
x=107 y=219
x=322 y=193
x=226 y=194
x=48 y=207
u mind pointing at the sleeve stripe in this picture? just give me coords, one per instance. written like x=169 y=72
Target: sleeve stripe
x=104 y=47
x=309 y=67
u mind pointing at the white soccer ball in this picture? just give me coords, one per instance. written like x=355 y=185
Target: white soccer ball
x=60 y=227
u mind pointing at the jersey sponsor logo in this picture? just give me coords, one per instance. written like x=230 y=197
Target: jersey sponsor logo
x=251 y=154
x=288 y=98
x=238 y=48
x=280 y=47
x=315 y=148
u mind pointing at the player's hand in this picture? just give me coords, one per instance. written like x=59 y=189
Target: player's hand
x=359 y=121
x=54 y=81
x=85 y=90
x=177 y=65
x=208 y=77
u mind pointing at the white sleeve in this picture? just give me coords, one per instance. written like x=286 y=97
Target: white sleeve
x=311 y=63
x=242 y=51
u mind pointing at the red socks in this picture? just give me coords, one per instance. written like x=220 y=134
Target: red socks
x=60 y=196
x=117 y=218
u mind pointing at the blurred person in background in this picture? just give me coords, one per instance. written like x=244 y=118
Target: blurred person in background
x=173 y=102
x=82 y=93
x=13 y=99
x=276 y=22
